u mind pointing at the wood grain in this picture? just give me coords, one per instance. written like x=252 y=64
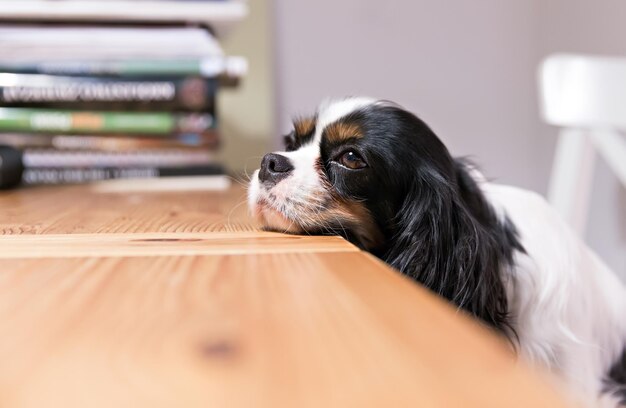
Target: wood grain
x=159 y=244
x=85 y=209
x=281 y=330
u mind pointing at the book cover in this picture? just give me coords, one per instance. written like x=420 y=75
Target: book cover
x=104 y=93
x=31 y=120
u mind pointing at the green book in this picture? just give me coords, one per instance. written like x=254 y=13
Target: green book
x=66 y=121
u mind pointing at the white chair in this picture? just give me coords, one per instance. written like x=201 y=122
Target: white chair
x=586 y=97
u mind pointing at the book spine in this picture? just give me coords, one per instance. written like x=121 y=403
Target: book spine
x=92 y=93
x=45 y=175
x=209 y=140
x=147 y=123
x=214 y=67
x=54 y=158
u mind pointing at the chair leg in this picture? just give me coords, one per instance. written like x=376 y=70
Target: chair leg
x=572 y=176
x=612 y=148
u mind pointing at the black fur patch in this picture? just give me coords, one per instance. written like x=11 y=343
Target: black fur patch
x=616 y=382
x=438 y=227
x=450 y=240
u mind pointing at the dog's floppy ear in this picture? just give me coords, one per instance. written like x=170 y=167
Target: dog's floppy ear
x=446 y=238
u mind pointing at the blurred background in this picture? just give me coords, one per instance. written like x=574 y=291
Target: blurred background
x=469 y=69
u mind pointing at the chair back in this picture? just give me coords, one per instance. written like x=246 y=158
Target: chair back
x=583 y=91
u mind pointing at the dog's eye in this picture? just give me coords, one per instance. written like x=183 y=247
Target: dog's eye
x=352 y=160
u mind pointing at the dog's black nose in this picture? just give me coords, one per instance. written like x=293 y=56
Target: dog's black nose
x=274 y=168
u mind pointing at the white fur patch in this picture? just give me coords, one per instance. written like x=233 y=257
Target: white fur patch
x=304 y=179
x=569 y=309
x=331 y=111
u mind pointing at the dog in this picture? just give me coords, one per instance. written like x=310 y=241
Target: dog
x=376 y=174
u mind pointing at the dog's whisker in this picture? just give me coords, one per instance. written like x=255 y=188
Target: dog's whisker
x=232 y=210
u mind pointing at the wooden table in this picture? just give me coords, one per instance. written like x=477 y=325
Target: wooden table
x=119 y=299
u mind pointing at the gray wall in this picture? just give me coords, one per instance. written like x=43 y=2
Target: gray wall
x=467 y=68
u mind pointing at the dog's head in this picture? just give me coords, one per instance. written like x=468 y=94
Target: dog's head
x=376 y=174
x=347 y=170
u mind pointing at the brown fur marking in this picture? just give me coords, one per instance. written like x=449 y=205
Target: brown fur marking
x=340 y=131
x=304 y=126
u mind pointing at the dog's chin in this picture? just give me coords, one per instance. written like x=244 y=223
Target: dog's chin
x=273 y=220
x=269 y=218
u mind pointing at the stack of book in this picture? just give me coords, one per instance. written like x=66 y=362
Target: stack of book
x=91 y=103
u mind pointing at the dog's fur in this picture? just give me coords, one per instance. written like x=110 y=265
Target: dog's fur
x=377 y=175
